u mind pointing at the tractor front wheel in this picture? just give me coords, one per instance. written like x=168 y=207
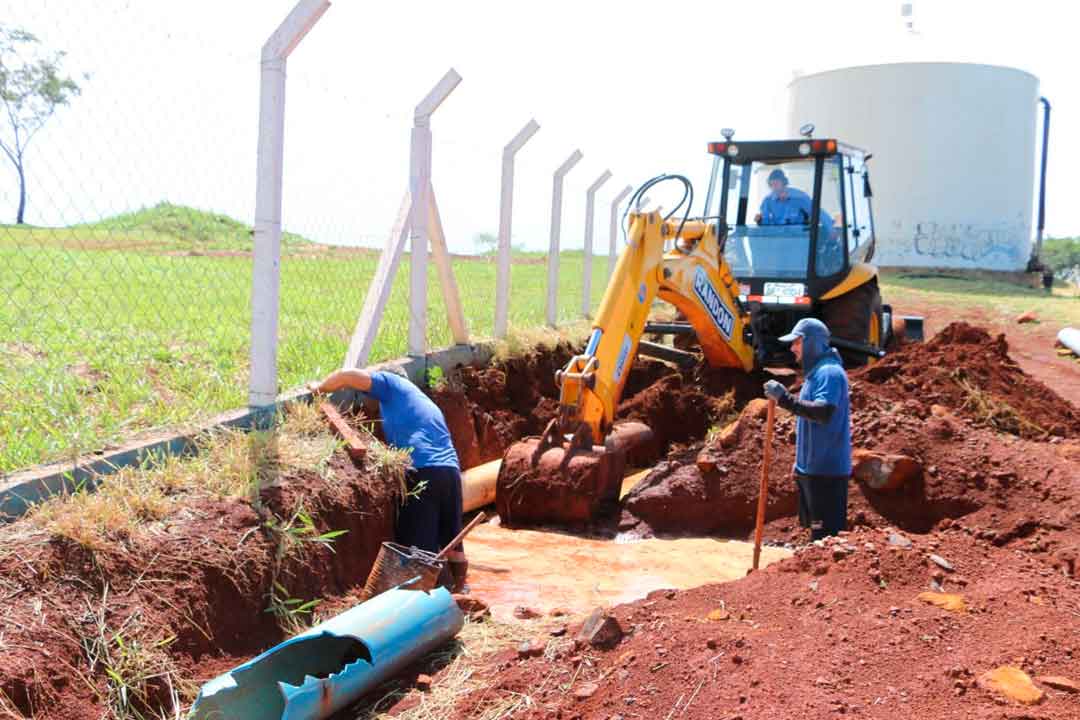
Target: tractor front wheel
x=856 y=316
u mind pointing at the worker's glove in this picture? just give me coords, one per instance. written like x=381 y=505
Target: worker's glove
x=459 y=570
x=774 y=390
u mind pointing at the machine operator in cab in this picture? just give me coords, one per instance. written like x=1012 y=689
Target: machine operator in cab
x=431 y=515
x=784 y=205
x=823 y=429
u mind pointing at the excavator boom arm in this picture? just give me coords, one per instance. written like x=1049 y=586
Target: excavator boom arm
x=693 y=277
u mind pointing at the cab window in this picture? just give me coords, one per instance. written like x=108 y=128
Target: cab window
x=858 y=205
x=829 y=258
x=771 y=205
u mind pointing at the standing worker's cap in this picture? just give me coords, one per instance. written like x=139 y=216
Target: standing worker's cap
x=807 y=327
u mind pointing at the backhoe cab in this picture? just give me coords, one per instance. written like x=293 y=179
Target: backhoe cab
x=795 y=224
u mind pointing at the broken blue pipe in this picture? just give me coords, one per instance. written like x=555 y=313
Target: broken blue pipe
x=330 y=666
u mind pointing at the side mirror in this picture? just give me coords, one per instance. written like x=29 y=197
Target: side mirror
x=866 y=191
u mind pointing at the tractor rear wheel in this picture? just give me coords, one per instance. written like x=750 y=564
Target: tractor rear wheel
x=856 y=316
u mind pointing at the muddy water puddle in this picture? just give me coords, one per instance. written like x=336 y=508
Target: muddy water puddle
x=547 y=570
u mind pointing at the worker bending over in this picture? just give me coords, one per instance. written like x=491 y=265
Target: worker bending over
x=822 y=431
x=431 y=515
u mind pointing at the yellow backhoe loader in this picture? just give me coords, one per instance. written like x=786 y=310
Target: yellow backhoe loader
x=738 y=281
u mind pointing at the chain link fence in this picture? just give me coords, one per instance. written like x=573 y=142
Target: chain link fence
x=125 y=292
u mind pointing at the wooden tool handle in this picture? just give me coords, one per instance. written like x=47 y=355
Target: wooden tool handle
x=461 y=535
x=763 y=492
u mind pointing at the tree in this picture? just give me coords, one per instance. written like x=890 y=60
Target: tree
x=1062 y=255
x=485 y=242
x=31 y=89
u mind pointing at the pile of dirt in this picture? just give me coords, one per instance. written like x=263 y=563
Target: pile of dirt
x=910 y=406
x=712 y=488
x=180 y=598
x=681 y=407
x=966 y=370
x=873 y=624
x=489 y=409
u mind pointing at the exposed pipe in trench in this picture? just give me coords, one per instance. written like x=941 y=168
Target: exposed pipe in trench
x=318 y=672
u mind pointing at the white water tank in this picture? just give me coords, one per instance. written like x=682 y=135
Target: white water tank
x=953 y=168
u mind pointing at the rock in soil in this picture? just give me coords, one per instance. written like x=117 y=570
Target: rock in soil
x=1059 y=683
x=884 y=472
x=525 y=613
x=1013 y=683
x=531 y=648
x=600 y=630
x=897 y=540
x=473 y=607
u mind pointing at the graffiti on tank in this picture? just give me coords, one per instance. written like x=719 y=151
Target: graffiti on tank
x=967 y=241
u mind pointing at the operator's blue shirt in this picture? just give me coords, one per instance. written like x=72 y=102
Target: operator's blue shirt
x=411 y=421
x=794 y=210
x=825 y=448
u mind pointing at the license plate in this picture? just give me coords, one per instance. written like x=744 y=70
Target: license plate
x=785 y=290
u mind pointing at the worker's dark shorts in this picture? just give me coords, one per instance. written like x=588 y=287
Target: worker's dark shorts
x=431 y=517
x=822 y=504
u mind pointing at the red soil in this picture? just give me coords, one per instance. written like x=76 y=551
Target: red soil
x=834 y=631
x=961 y=354
x=201 y=576
x=838 y=629
x=831 y=630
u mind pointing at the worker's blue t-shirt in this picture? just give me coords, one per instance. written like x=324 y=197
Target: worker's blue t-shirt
x=825 y=448
x=795 y=210
x=411 y=421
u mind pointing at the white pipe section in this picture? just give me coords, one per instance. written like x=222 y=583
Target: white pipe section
x=586 y=264
x=553 y=245
x=269 y=174
x=506 y=211
x=613 y=230
x=1070 y=338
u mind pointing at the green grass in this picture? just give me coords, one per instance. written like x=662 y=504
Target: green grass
x=142 y=321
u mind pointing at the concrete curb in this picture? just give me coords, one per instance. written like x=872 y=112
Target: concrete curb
x=20 y=491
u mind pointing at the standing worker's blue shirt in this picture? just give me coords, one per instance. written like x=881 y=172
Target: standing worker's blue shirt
x=825 y=448
x=411 y=421
x=795 y=210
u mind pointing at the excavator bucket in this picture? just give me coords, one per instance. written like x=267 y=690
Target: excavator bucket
x=542 y=482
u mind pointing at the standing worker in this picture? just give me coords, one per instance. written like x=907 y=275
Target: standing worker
x=431 y=515
x=823 y=430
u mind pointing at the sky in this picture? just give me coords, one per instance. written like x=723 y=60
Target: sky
x=169 y=110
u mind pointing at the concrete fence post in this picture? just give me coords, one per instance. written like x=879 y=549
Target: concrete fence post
x=269 y=175
x=419 y=221
x=419 y=217
x=552 y=304
x=506 y=211
x=613 y=229
x=586 y=263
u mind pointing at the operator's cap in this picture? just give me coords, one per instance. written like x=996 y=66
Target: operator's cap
x=807 y=327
